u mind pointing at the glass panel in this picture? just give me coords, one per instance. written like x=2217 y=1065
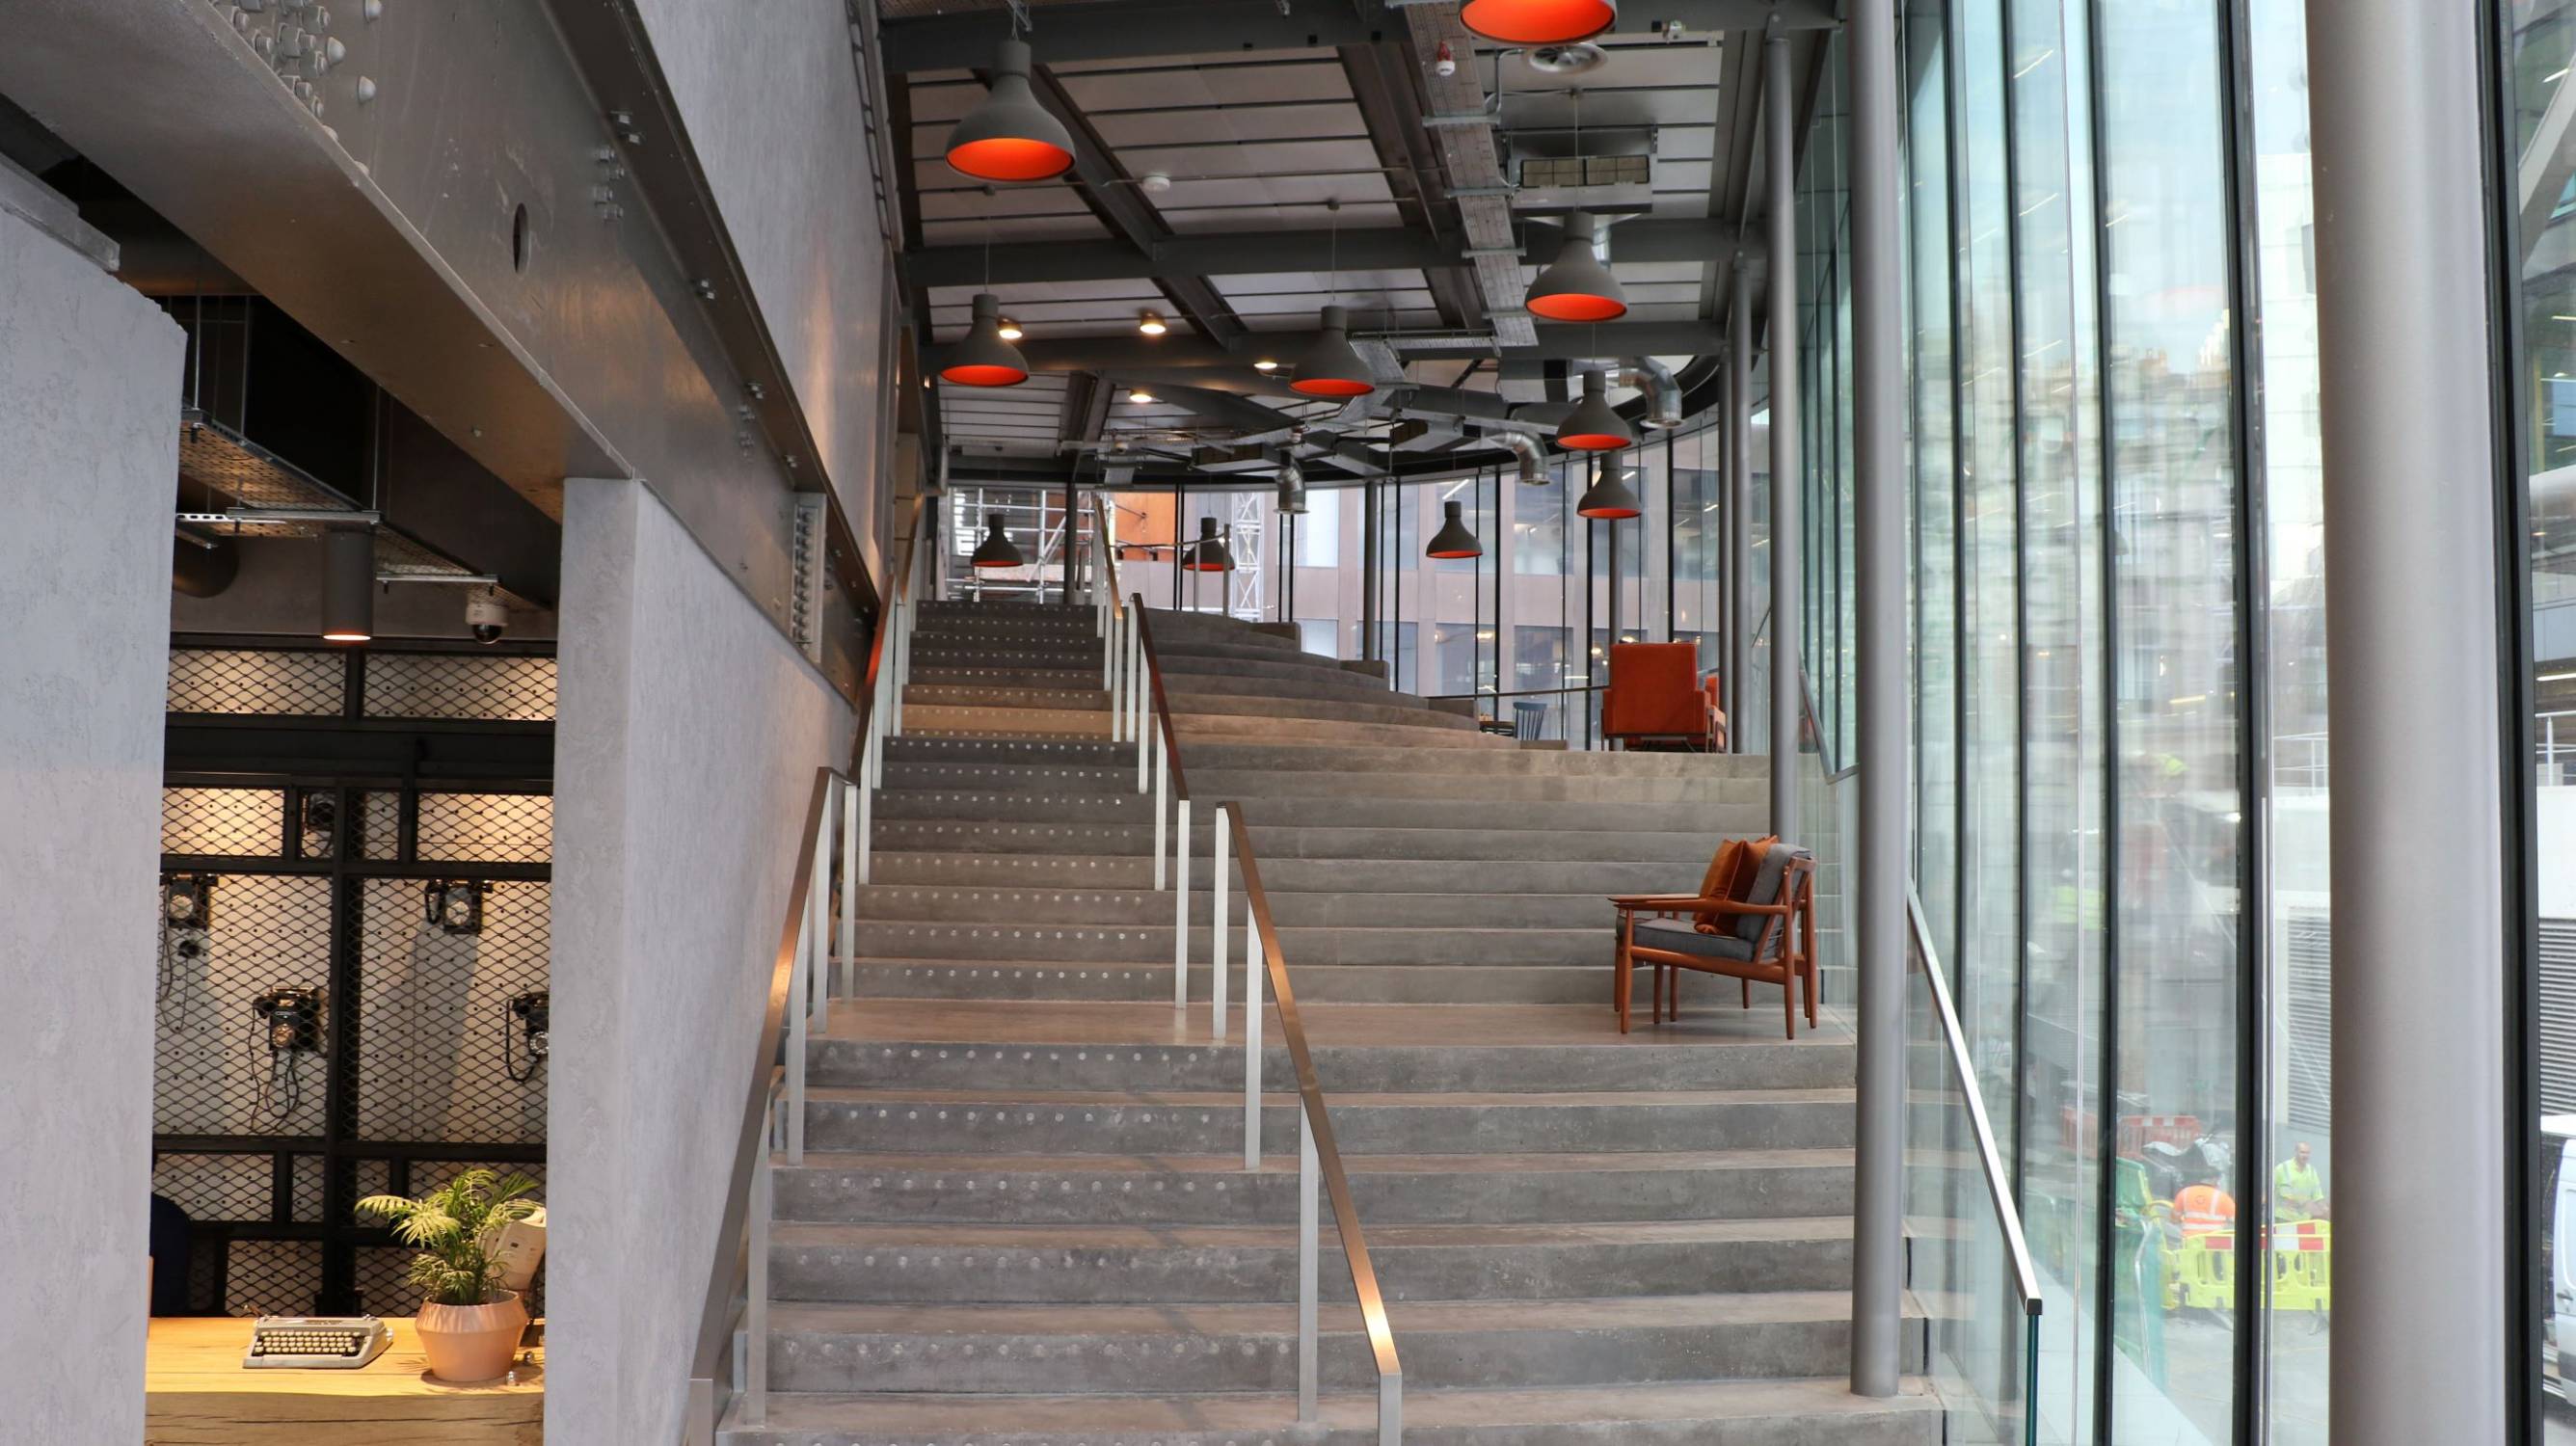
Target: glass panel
x=2176 y=670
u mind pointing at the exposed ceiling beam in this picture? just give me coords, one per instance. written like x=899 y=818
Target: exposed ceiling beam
x=1391 y=105
x=1128 y=355
x=1113 y=195
x=1142 y=29
x=1640 y=238
x=1086 y=408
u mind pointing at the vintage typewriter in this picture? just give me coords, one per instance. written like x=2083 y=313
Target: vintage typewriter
x=338 y=1342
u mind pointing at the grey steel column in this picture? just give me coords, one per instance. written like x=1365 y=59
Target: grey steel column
x=1738 y=441
x=1879 y=851
x=1780 y=180
x=2403 y=317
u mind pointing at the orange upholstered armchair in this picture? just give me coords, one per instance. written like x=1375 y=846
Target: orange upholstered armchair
x=1656 y=694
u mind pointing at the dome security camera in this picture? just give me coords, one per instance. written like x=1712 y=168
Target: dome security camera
x=486 y=616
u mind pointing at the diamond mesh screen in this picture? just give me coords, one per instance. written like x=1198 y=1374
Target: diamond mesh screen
x=214 y=1070
x=236 y=1188
x=255 y=681
x=380 y=826
x=267 y=1277
x=495 y=828
x=247 y=822
x=495 y=686
x=438 y=1042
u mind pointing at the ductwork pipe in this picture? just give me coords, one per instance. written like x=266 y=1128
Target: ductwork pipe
x=1663 y=394
x=1525 y=449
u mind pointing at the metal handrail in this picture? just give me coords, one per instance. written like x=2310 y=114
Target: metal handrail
x=1162 y=700
x=1998 y=1183
x=1319 y=1156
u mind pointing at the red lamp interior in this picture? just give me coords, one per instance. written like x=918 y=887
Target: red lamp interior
x=971 y=375
x=1011 y=158
x=1538 y=22
x=980 y=563
x=1596 y=442
x=1332 y=387
x=1578 y=306
x=1467 y=552
x=1609 y=512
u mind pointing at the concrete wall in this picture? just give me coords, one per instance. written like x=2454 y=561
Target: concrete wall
x=687 y=737
x=89 y=382
x=771 y=101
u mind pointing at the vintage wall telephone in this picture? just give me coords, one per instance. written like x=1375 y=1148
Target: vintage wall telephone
x=455 y=905
x=187 y=909
x=290 y=1025
x=525 y=1021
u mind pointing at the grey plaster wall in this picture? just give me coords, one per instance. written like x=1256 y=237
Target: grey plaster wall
x=89 y=386
x=772 y=106
x=687 y=737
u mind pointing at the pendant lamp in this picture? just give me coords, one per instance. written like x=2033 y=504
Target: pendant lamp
x=997 y=549
x=983 y=359
x=1608 y=497
x=1539 y=22
x=1453 y=539
x=348 y=585
x=1592 y=426
x=1576 y=286
x=1008 y=136
x=1292 y=488
x=1208 y=554
x=1331 y=368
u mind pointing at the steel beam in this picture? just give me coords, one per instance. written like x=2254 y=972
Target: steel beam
x=1128 y=354
x=1384 y=84
x=1780 y=194
x=1144 y=29
x=1879 y=849
x=2424 y=1346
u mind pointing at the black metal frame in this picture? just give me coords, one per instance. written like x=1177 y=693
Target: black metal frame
x=495 y=757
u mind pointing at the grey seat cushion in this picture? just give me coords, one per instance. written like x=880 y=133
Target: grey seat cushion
x=1681 y=936
x=1765 y=890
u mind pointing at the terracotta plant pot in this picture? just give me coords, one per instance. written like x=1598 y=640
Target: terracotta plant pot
x=472 y=1342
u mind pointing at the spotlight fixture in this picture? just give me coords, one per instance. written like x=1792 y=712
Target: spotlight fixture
x=1453 y=539
x=1151 y=323
x=1576 y=286
x=1592 y=426
x=1292 y=488
x=1008 y=330
x=454 y=905
x=997 y=549
x=1208 y=554
x=1539 y=22
x=1265 y=365
x=1608 y=497
x=1331 y=368
x=985 y=358
x=1139 y=396
x=348 y=585
x=1008 y=136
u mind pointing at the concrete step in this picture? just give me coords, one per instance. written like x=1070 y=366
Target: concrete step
x=1526 y=762
x=1305 y=946
x=1685 y=855
x=1365 y=708
x=1073 y=1265
x=1108 y=1122
x=1388 y=1190
x=1104 y=1348
x=1285 y=877
x=1780 y=1412
x=1030 y=778
x=908 y=903
x=992 y=870
x=1326 y=672
x=1444 y=786
x=1079 y=979
x=1300 y=683
x=1043 y=752
x=1196 y=728
x=950 y=721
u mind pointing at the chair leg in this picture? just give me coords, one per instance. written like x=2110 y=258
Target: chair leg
x=1748 y=992
x=1789 y=996
x=1623 y=974
x=1811 y=991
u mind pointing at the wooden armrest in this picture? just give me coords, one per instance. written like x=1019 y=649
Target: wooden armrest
x=1662 y=901
x=1738 y=906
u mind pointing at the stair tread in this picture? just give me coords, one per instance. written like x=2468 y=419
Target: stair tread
x=1218 y=1099
x=1232 y=1164
x=1106 y=1318
x=1273 y=1410
x=1455 y=1236
x=980 y=1023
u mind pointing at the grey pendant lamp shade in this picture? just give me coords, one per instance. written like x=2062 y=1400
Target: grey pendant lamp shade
x=1576 y=286
x=997 y=549
x=348 y=585
x=983 y=359
x=1208 y=554
x=1592 y=426
x=1331 y=367
x=1608 y=497
x=1008 y=136
x=1292 y=488
x=1453 y=539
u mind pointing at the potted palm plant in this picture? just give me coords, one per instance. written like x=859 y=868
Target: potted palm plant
x=469 y=1326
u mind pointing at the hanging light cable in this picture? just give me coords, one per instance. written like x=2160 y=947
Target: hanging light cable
x=1332 y=367
x=986 y=358
x=1008 y=136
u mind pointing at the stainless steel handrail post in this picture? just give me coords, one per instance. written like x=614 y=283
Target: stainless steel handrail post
x=796 y=1023
x=1162 y=802
x=1252 y=1012
x=1216 y=927
x=1181 y=909
x=852 y=830
x=755 y=1369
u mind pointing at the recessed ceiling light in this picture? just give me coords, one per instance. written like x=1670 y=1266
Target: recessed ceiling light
x=1151 y=323
x=1010 y=330
x=1139 y=395
x=1265 y=365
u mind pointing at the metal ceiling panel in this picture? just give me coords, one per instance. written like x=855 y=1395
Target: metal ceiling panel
x=1351 y=154
x=1107 y=92
x=1286 y=122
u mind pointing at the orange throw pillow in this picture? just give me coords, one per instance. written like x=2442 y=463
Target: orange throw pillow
x=1729 y=874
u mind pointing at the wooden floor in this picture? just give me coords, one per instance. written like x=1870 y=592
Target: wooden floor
x=198 y=1394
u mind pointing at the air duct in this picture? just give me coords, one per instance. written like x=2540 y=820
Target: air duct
x=1525 y=449
x=1292 y=487
x=203 y=566
x=1663 y=394
x=348 y=584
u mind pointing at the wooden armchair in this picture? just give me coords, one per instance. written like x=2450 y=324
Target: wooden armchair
x=1766 y=937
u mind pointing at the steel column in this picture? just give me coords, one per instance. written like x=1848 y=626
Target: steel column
x=1780 y=182
x=1737 y=439
x=1878 y=499
x=2404 y=310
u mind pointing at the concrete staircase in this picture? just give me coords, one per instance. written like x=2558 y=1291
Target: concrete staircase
x=1023 y=1220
